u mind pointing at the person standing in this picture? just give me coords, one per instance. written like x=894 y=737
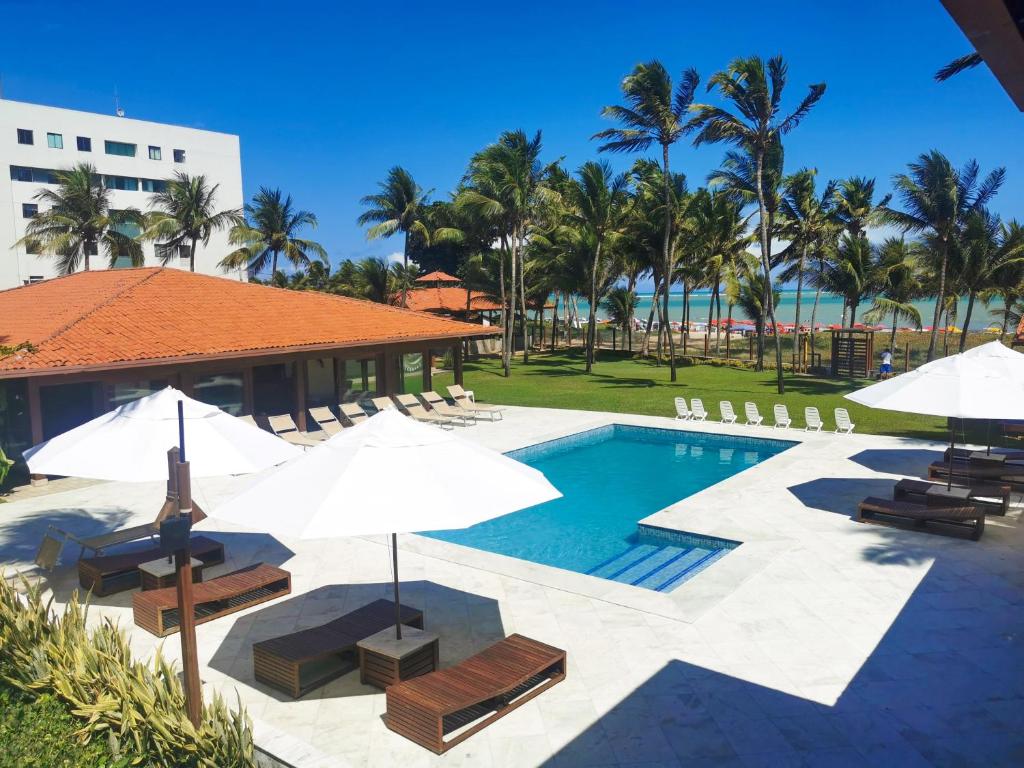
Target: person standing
x=885 y=369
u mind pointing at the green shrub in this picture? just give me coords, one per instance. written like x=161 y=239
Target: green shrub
x=138 y=709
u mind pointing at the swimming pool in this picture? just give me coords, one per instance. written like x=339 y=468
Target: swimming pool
x=610 y=478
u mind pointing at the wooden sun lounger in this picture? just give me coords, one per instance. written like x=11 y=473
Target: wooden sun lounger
x=156 y=611
x=969 y=472
x=471 y=695
x=108 y=574
x=964 y=517
x=962 y=454
x=301 y=661
x=992 y=499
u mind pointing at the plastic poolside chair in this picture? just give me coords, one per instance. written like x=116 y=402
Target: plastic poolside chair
x=697 y=409
x=754 y=418
x=782 y=420
x=682 y=412
x=843 y=423
x=813 y=419
x=728 y=414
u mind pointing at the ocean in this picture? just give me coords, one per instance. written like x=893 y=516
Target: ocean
x=830 y=309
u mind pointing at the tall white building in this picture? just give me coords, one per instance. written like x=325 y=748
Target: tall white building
x=133 y=157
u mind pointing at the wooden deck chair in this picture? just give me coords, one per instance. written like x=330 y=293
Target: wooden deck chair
x=697 y=409
x=382 y=403
x=462 y=400
x=284 y=426
x=326 y=420
x=728 y=414
x=441 y=405
x=843 y=423
x=812 y=419
x=353 y=413
x=682 y=412
x=49 y=551
x=782 y=420
x=754 y=418
x=414 y=408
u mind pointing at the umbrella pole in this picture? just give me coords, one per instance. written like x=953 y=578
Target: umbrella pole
x=186 y=601
x=988 y=436
x=394 y=572
x=949 y=474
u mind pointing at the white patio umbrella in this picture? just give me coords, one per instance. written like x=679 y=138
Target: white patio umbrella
x=388 y=475
x=131 y=442
x=978 y=384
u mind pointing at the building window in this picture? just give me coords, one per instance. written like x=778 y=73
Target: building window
x=179 y=155
x=154 y=153
x=55 y=141
x=126 y=183
x=38 y=175
x=224 y=390
x=34 y=279
x=153 y=185
x=165 y=252
x=32 y=247
x=84 y=144
x=28 y=210
x=25 y=136
x=119 y=148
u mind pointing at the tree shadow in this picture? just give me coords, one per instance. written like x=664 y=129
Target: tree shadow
x=20 y=537
x=467 y=623
x=840 y=495
x=943 y=686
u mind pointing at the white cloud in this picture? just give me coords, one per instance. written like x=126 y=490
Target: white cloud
x=396 y=257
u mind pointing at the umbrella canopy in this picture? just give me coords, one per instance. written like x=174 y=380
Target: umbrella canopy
x=983 y=383
x=131 y=442
x=389 y=474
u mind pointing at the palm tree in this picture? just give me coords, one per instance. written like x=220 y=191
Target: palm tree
x=272 y=230
x=900 y=283
x=983 y=253
x=855 y=206
x=184 y=213
x=936 y=199
x=620 y=303
x=755 y=92
x=852 y=274
x=958 y=65
x=78 y=220
x=655 y=115
x=745 y=289
x=598 y=207
x=809 y=224
x=506 y=189
x=374 y=280
x=1008 y=285
x=398 y=207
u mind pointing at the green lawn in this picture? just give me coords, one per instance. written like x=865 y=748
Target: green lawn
x=624 y=385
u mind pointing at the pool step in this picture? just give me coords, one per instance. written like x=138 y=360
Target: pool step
x=661 y=568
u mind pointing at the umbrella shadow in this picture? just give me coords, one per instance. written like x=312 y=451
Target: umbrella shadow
x=898 y=461
x=467 y=623
x=840 y=495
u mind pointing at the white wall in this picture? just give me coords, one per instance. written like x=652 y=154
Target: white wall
x=215 y=155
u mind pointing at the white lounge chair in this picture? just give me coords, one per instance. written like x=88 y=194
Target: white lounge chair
x=754 y=418
x=682 y=412
x=414 y=408
x=248 y=420
x=697 y=409
x=441 y=406
x=462 y=401
x=728 y=414
x=843 y=423
x=353 y=412
x=326 y=420
x=284 y=426
x=382 y=403
x=813 y=419
x=782 y=420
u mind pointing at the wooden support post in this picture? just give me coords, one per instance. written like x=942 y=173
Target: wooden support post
x=707 y=338
x=728 y=338
x=458 y=364
x=186 y=607
x=300 y=394
x=247 y=397
x=35 y=420
x=428 y=363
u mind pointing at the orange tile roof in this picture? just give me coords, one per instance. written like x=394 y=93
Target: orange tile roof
x=124 y=317
x=437 y=276
x=448 y=300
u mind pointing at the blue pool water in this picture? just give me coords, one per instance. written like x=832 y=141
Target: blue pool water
x=610 y=478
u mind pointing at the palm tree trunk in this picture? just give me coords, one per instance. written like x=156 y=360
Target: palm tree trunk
x=554 y=323
x=718 y=316
x=522 y=300
x=892 y=336
x=728 y=332
x=667 y=256
x=938 y=300
x=405 y=263
x=769 y=298
x=192 y=256
x=512 y=301
x=504 y=308
x=967 y=321
x=646 y=345
x=796 y=314
x=711 y=312
x=592 y=316
x=814 y=320
x=88 y=247
x=273 y=265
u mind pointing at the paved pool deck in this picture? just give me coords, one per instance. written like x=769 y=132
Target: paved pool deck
x=819 y=641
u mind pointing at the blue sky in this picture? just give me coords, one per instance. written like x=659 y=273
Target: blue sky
x=326 y=99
